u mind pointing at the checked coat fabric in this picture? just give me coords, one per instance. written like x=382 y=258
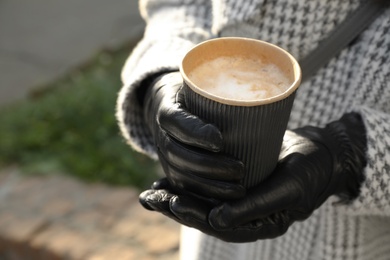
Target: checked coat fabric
x=357 y=79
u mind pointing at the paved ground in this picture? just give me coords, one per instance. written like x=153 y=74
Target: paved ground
x=56 y=217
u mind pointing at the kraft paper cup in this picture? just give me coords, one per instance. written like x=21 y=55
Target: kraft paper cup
x=253 y=130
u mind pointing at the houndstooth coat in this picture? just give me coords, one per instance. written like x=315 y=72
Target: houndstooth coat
x=357 y=79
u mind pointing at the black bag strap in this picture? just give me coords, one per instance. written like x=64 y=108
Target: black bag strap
x=341 y=36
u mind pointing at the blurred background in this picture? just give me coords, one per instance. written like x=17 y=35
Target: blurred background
x=68 y=183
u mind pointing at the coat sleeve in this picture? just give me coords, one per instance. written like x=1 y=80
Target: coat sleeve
x=374 y=197
x=373 y=103
x=172 y=28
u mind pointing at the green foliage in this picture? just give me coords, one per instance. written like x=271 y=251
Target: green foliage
x=70 y=127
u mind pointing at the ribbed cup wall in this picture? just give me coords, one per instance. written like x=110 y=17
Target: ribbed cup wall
x=252 y=134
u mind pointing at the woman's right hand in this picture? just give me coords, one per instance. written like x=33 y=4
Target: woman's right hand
x=189 y=148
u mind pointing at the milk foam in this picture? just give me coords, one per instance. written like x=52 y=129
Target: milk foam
x=240 y=78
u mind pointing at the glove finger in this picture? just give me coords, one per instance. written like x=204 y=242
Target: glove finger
x=164 y=201
x=200 y=162
x=161 y=184
x=193 y=212
x=186 y=181
x=158 y=200
x=274 y=195
x=188 y=128
x=142 y=199
x=267 y=228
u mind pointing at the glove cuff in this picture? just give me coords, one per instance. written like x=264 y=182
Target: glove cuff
x=345 y=139
x=349 y=136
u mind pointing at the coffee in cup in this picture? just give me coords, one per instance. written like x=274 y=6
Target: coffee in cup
x=235 y=77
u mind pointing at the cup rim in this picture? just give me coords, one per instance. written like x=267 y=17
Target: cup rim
x=294 y=85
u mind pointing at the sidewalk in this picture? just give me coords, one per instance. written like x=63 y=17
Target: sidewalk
x=56 y=217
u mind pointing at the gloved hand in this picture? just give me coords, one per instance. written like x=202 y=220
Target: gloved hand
x=187 y=147
x=314 y=164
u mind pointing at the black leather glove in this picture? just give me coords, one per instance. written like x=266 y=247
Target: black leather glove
x=314 y=164
x=187 y=147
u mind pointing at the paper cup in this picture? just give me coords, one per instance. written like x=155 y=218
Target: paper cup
x=252 y=129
